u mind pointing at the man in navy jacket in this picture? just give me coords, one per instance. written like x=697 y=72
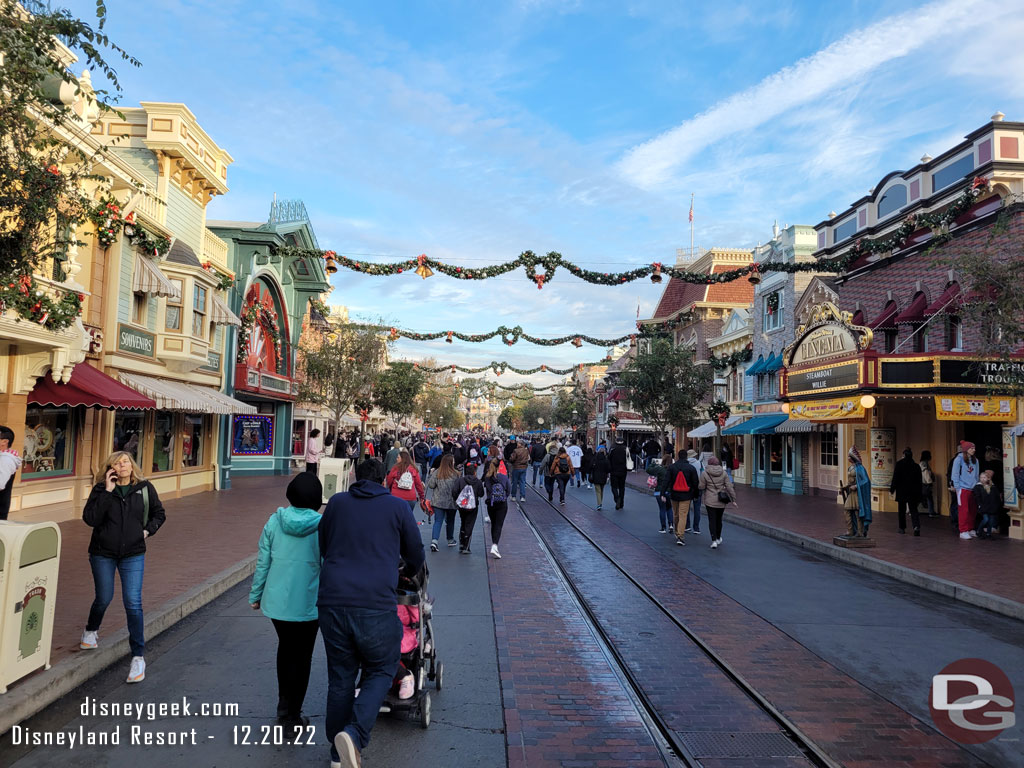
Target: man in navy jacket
x=363 y=535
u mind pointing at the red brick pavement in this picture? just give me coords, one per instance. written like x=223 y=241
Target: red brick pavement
x=995 y=566
x=204 y=534
x=855 y=726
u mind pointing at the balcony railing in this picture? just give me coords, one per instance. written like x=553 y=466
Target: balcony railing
x=153 y=208
x=214 y=249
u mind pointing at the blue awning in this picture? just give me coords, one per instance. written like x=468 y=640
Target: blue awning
x=757 y=367
x=759 y=425
x=773 y=363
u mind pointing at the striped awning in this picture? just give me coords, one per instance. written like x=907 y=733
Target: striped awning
x=794 y=426
x=221 y=314
x=149 y=279
x=190 y=398
x=710 y=429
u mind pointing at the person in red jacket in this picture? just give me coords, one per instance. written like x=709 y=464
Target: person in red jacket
x=404 y=481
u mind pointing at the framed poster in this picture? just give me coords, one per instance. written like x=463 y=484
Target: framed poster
x=1009 y=462
x=252 y=436
x=883 y=457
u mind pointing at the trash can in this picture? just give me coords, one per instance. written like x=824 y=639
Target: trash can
x=335 y=476
x=29 y=562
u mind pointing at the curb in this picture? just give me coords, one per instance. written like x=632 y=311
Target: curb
x=31 y=695
x=1001 y=605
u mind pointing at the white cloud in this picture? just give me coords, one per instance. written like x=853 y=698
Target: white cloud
x=845 y=61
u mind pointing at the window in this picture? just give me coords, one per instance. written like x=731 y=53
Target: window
x=299 y=437
x=172 y=317
x=140 y=307
x=789 y=441
x=774 y=303
x=894 y=198
x=775 y=446
x=829 y=442
x=163 y=442
x=771 y=384
x=192 y=441
x=128 y=429
x=920 y=338
x=198 y=310
x=844 y=230
x=953 y=172
x=49 y=441
x=891 y=338
x=954 y=334
x=760 y=385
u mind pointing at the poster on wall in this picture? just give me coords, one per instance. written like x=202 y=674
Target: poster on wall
x=1010 y=495
x=883 y=457
x=975 y=408
x=253 y=436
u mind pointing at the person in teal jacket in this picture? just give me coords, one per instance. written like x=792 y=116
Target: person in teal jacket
x=285 y=586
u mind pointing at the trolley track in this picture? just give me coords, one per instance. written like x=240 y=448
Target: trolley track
x=738 y=722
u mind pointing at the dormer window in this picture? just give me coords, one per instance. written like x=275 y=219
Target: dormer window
x=846 y=229
x=893 y=200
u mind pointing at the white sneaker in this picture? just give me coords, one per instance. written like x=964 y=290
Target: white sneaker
x=965 y=536
x=137 y=671
x=973 y=534
x=714 y=544
x=407 y=687
x=347 y=751
x=89 y=640
x=495 y=552
x=522 y=498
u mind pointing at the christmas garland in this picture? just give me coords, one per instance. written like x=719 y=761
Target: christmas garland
x=319 y=306
x=719 y=411
x=541 y=269
x=733 y=360
x=26 y=297
x=252 y=313
x=500 y=368
x=106 y=217
x=771 y=302
x=157 y=245
x=226 y=281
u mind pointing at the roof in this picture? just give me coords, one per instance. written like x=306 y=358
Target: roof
x=182 y=254
x=738 y=291
x=223 y=224
x=678 y=295
x=619 y=364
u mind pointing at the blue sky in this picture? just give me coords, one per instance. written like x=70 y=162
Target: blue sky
x=473 y=131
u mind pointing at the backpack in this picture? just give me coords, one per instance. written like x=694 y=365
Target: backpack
x=679 y=484
x=405 y=481
x=498 y=492
x=563 y=465
x=466 y=498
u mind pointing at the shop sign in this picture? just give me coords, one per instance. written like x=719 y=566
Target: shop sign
x=212 y=362
x=975 y=408
x=252 y=436
x=907 y=372
x=828 y=332
x=980 y=373
x=1009 y=462
x=883 y=457
x=840 y=409
x=135 y=341
x=841 y=376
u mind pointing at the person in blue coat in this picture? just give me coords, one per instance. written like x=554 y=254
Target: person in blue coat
x=285 y=587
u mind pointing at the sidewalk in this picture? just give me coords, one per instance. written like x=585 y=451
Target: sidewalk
x=991 y=570
x=207 y=545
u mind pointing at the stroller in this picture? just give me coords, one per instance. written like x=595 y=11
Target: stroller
x=418 y=657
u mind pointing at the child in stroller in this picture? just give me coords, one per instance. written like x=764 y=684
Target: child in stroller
x=419 y=653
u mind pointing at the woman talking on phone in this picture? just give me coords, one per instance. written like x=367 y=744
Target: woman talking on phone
x=123 y=510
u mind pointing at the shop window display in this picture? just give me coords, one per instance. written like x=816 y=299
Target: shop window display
x=128 y=432
x=48 y=443
x=192 y=441
x=163 y=442
x=775 y=447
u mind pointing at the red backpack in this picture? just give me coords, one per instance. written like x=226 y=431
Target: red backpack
x=680 y=484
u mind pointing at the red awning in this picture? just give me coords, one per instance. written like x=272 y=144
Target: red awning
x=858 y=317
x=887 y=318
x=615 y=395
x=89 y=387
x=949 y=301
x=915 y=312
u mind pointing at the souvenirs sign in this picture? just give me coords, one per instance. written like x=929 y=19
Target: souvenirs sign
x=135 y=341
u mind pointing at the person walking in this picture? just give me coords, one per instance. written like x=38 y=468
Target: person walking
x=856 y=496
x=587 y=466
x=404 y=482
x=547 y=468
x=927 y=483
x=599 y=472
x=718 y=491
x=469 y=494
x=537 y=454
x=498 y=490
x=576 y=457
x=519 y=460
x=693 y=517
x=314 y=450
x=285 y=585
x=964 y=477
x=391 y=457
x=617 y=460
x=10 y=463
x=421 y=454
x=727 y=459
x=123 y=510
x=652 y=450
x=562 y=471
x=659 y=474
x=905 y=487
x=682 y=487
x=364 y=534
x=442 y=484
x=634 y=452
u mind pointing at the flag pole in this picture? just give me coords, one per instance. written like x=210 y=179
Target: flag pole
x=691 y=226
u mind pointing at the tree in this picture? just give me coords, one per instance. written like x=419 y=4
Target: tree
x=665 y=386
x=44 y=167
x=573 y=407
x=538 y=407
x=337 y=370
x=396 y=389
x=438 y=402
x=511 y=418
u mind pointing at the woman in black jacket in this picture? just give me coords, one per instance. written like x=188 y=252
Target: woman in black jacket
x=123 y=510
x=599 y=472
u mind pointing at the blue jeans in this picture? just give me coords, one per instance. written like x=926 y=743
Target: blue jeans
x=664 y=512
x=693 y=518
x=446 y=516
x=357 y=639
x=131 y=569
x=577 y=475
x=536 y=470
x=519 y=481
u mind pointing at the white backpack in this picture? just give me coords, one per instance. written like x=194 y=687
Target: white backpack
x=466 y=498
x=405 y=481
